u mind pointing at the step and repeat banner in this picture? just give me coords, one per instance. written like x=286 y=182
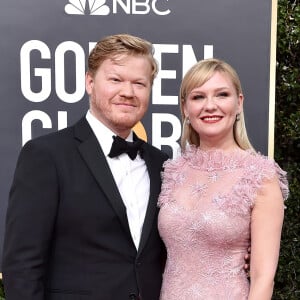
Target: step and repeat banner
x=44 y=47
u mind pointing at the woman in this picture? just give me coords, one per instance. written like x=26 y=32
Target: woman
x=219 y=195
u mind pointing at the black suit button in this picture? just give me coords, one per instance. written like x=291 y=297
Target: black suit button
x=132 y=296
x=138 y=264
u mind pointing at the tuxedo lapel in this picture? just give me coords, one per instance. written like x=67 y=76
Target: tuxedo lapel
x=154 y=174
x=93 y=156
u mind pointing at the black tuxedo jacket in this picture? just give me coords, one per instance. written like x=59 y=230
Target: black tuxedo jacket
x=67 y=235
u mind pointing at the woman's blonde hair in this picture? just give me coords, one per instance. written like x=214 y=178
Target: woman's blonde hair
x=201 y=72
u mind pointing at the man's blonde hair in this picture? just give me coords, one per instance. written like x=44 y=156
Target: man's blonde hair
x=121 y=44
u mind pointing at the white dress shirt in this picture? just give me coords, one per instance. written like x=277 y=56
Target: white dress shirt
x=131 y=177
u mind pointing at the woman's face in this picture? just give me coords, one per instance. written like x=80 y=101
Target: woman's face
x=212 y=109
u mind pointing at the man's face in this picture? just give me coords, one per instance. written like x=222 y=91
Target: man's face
x=119 y=92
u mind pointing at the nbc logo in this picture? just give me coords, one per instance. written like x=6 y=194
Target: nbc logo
x=129 y=7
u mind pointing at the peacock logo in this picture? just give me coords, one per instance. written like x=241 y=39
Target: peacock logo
x=87 y=7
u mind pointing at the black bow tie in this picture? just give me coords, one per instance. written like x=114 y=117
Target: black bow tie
x=120 y=146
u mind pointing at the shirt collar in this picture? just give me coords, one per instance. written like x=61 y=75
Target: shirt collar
x=103 y=134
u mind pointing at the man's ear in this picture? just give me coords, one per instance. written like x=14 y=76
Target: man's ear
x=89 y=83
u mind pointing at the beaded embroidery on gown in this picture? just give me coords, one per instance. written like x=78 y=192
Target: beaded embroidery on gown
x=204 y=221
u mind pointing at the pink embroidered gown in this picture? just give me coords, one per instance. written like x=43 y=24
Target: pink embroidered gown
x=204 y=221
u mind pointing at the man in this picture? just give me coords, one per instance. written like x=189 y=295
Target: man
x=81 y=222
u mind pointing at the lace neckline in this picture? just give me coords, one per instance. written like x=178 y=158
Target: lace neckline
x=215 y=159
